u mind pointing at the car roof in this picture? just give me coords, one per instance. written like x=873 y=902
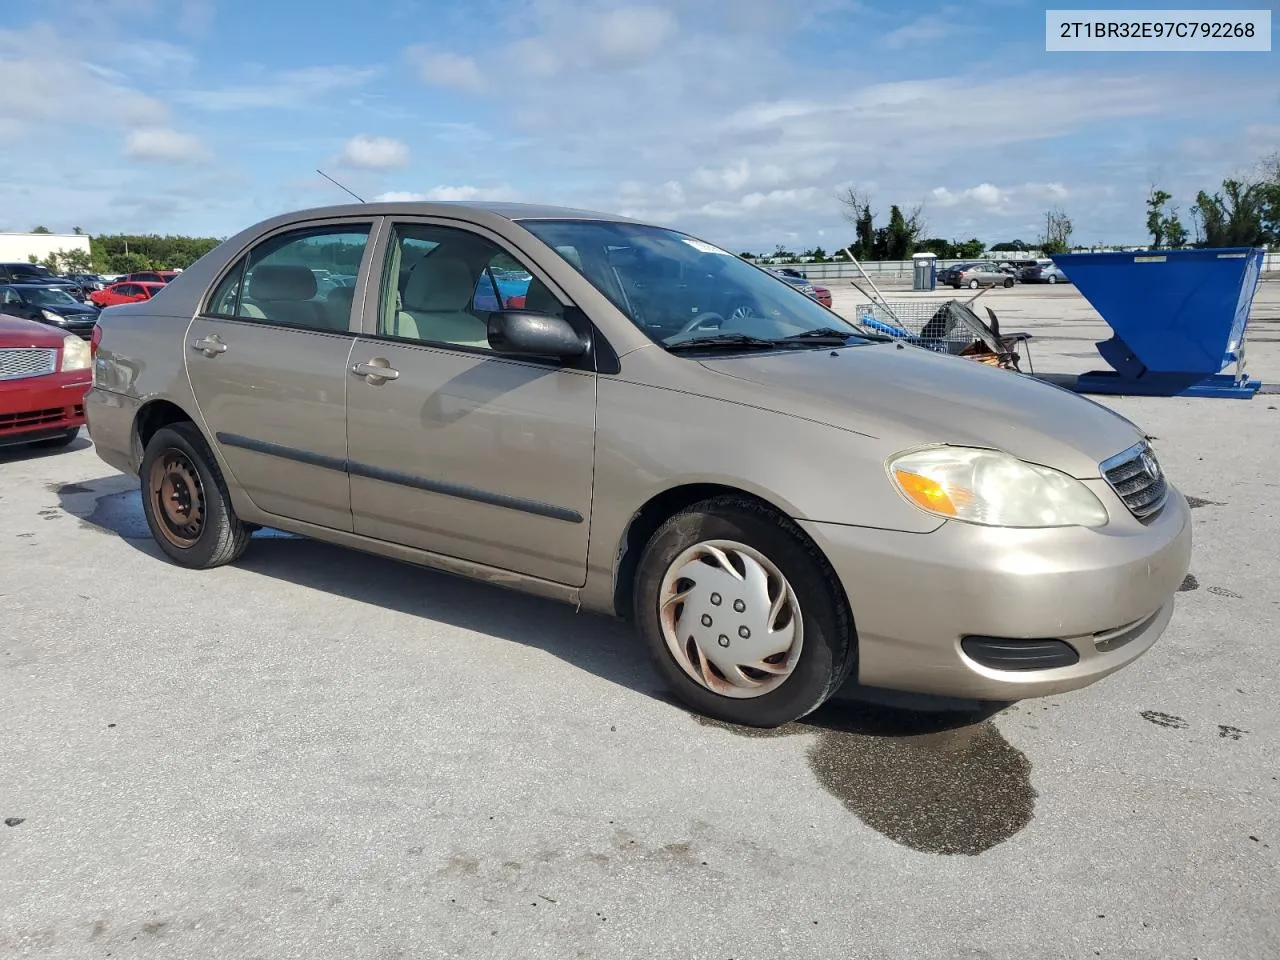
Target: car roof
x=451 y=208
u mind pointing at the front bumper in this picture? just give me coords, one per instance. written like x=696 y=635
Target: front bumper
x=38 y=407
x=1107 y=593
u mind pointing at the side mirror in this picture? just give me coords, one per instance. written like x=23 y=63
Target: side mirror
x=525 y=333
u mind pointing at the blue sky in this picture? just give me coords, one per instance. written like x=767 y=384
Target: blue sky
x=740 y=120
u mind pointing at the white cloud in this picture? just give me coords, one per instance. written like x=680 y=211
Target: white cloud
x=451 y=70
x=438 y=194
x=628 y=34
x=164 y=145
x=290 y=89
x=374 y=153
x=919 y=32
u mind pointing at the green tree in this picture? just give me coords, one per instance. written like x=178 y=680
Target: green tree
x=1234 y=216
x=41 y=230
x=1156 y=216
x=50 y=262
x=78 y=231
x=1057 y=232
x=1010 y=246
x=33 y=259
x=75 y=261
x=128 y=263
x=970 y=249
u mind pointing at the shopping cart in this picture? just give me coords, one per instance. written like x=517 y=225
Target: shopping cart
x=949 y=327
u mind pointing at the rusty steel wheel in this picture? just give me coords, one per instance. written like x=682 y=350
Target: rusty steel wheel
x=185 y=499
x=177 y=498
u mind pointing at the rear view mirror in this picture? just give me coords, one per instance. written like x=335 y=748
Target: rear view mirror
x=525 y=333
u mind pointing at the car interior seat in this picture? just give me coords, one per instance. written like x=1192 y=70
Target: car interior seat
x=435 y=301
x=284 y=293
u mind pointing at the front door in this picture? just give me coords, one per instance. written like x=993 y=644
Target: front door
x=268 y=359
x=452 y=448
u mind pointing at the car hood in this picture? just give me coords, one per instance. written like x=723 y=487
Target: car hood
x=909 y=396
x=16 y=332
x=77 y=310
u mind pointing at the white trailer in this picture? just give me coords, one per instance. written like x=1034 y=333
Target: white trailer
x=20 y=247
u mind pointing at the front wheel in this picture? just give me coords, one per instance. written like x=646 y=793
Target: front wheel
x=185 y=500
x=744 y=619
x=1008 y=283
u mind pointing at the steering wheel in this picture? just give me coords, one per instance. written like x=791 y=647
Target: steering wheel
x=701 y=320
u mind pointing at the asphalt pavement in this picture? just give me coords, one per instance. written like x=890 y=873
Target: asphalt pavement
x=316 y=754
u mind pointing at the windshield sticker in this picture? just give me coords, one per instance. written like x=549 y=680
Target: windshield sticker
x=705 y=247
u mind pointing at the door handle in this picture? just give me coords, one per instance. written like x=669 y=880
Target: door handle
x=209 y=346
x=376 y=371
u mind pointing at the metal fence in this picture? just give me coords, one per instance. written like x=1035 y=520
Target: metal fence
x=902 y=269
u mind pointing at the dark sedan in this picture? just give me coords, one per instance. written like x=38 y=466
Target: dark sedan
x=48 y=304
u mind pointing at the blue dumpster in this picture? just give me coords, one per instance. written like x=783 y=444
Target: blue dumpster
x=1178 y=318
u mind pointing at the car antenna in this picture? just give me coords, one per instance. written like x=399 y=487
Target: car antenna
x=337 y=184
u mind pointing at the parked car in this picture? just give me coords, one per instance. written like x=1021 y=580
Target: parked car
x=25 y=273
x=801 y=282
x=946 y=274
x=86 y=282
x=44 y=375
x=776 y=499
x=118 y=293
x=981 y=274
x=45 y=303
x=149 y=276
x=1045 y=271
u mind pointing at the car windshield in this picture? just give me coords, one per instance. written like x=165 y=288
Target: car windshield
x=676 y=288
x=48 y=296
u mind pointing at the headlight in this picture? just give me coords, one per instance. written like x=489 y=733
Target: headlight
x=994 y=489
x=52 y=317
x=76 y=354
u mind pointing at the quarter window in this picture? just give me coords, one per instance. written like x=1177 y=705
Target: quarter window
x=304 y=278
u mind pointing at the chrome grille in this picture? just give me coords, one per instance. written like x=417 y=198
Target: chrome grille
x=1136 y=477
x=17 y=363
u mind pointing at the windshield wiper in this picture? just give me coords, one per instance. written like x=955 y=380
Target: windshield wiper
x=733 y=341
x=821 y=335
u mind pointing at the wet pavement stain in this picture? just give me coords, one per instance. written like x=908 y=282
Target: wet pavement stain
x=1227 y=732
x=1224 y=592
x=1189 y=583
x=941 y=782
x=121 y=514
x=68 y=489
x=1164 y=719
x=1195 y=503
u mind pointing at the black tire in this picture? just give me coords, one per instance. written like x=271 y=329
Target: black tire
x=1008 y=283
x=1052 y=279
x=221 y=536
x=56 y=443
x=829 y=646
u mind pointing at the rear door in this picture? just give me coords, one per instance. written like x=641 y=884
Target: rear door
x=458 y=450
x=267 y=359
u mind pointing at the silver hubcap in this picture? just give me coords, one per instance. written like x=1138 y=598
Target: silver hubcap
x=730 y=619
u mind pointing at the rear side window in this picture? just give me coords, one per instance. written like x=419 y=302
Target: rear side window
x=304 y=278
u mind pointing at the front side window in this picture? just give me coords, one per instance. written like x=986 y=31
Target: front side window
x=677 y=288
x=441 y=283
x=283 y=279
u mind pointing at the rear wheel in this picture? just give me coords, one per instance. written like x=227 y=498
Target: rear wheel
x=55 y=443
x=1052 y=278
x=185 y=500
x=744 y=619
x=973 y=284
x=1008 y=283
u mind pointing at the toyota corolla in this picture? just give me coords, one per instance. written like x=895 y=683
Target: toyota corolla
x=776 y=497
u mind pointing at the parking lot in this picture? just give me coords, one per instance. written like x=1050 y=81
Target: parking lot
x=313 y=753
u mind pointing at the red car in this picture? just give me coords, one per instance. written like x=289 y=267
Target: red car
x=44 y=375
x=823 y=296
x=127 y=292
